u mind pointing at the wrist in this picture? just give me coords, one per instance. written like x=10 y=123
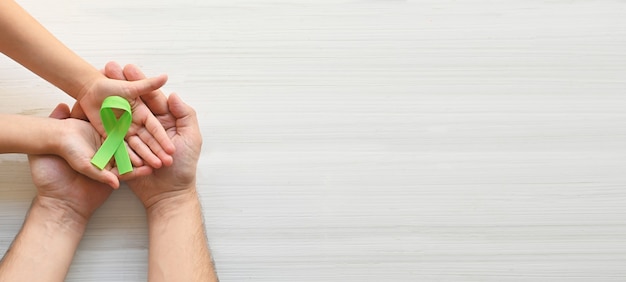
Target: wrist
x=53 y=137
x=171 y=204
x=46 y=137
x=57 y=136
x=60 y=213
x=85 y=84
x=46 y=243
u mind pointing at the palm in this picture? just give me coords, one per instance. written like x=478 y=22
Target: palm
x=182 y=172
x=54 y=178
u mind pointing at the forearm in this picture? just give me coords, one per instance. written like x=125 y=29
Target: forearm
x=179 y=249
x=45 y=246
x=26 y=41
x=29 y=135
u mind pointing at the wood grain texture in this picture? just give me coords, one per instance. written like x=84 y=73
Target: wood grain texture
x=368 y=140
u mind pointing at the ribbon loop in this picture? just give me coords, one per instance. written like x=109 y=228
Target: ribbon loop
x=116 y=129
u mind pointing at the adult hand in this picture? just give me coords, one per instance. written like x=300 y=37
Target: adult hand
x=57 y=218
x=178 y=245
x=57 y=179
x=58 y=184
x=181 y=125
x=146 y=136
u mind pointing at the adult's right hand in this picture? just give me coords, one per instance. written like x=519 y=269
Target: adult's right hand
x=181 y=125
x=178 y=245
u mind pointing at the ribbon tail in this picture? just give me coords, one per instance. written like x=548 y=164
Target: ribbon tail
x=122 y=160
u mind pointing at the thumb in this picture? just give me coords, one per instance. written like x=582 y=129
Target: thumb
x=78 y=113
x=114 y=71
x=62 y=111
x=134 y=89
x=178 y=108
x=94 y=173
x=186 y=119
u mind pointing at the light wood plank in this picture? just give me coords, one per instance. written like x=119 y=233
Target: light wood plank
x=368 y=140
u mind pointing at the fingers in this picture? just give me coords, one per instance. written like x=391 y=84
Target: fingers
x=186 y=119
x=78 y=113
x=61 y=111
x=94 y=173
x=184 y=114
x=139 y=84
x=104 y=176
x=154 y=136
x=134 y=89
x=155 y=100
x=148 y=138
x=163 y=147
x=134 y=158
x=139 y=146
x=114 y=70
x=137 y=172
x=157 y=104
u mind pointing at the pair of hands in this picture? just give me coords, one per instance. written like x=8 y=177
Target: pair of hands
x=164 y=176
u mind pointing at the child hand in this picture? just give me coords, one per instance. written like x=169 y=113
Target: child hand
x=146 y=135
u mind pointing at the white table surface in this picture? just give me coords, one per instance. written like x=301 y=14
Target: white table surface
x=367 y=140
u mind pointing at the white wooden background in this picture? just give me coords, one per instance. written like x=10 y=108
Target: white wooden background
x=368 y=140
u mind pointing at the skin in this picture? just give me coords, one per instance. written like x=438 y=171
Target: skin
x=66 y=200
x=57 y=217
x=73 y=140
x=178 y=245
x=27 y=42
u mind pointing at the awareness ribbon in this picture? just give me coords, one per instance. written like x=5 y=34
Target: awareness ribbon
x=116 y=129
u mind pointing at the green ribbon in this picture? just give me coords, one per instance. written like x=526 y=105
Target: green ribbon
x=116 y=130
